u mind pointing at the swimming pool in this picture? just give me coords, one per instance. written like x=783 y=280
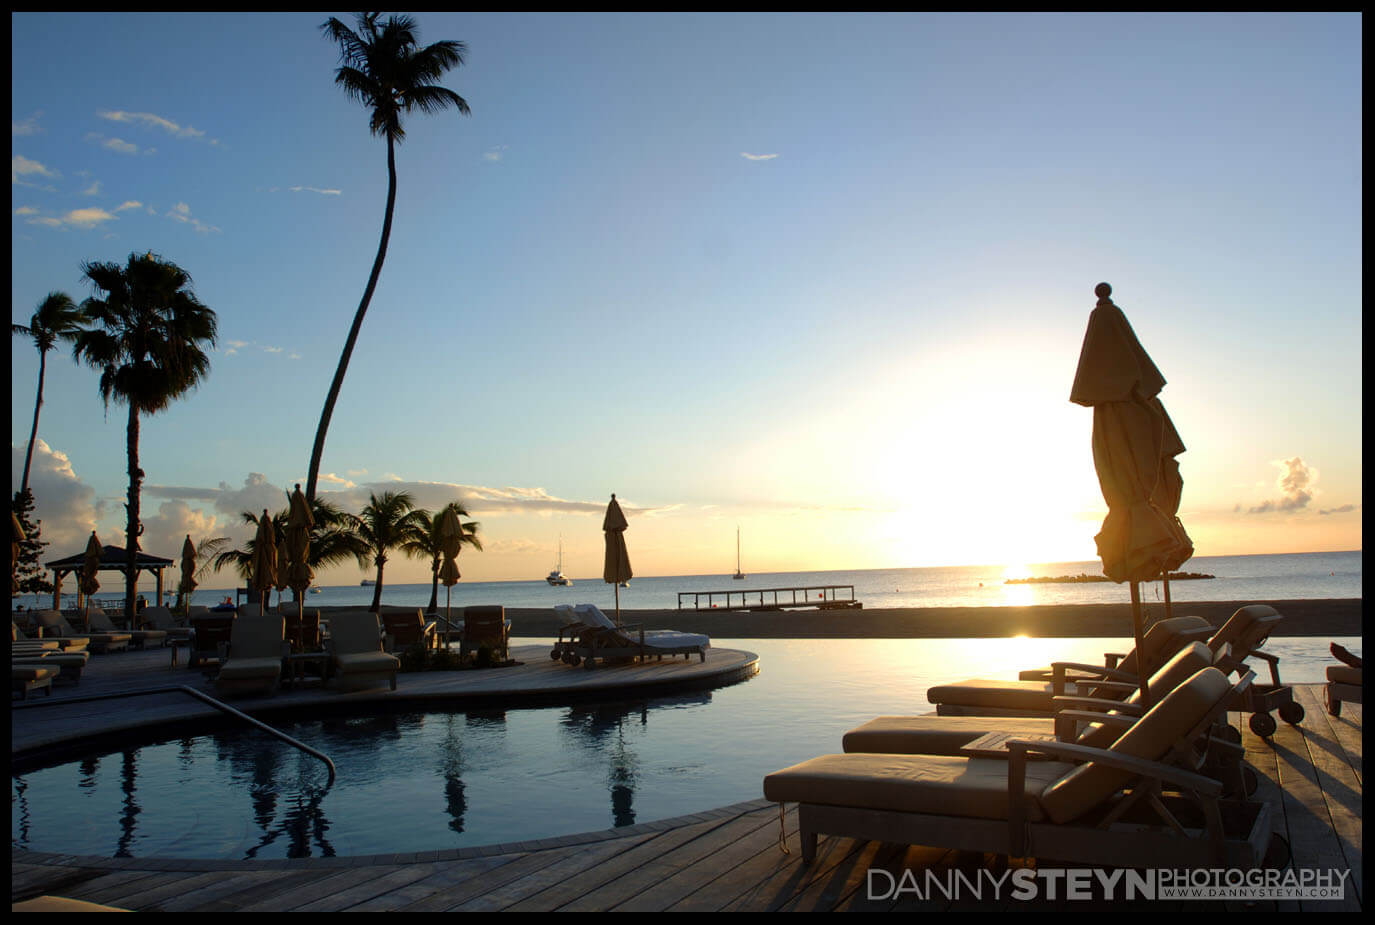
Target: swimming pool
x=424 y=781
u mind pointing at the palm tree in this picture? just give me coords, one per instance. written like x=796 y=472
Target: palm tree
x=387 y=523
x=383 y=67
x=431 y=545
x=149 y=344
x=333 y=540
x=57 y=318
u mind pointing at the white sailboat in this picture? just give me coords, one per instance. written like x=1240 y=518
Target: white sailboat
x=738 y=574
x=556 y=577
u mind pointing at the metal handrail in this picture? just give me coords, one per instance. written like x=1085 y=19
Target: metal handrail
x=199 y=695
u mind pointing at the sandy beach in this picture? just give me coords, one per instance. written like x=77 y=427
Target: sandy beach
x=1302 y=618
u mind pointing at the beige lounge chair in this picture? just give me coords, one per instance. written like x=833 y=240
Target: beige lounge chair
x=71 y=663
x=25 y=678
x=1107 y=809
x=257 y=646
x=161 y=618
x=1242 y=634
x=402 y=630
x=485 y=625
x=602 y=639
x=1162 y=639
x=54 y=624
x=1343 y=680
x=356 y=656
x=139 y=638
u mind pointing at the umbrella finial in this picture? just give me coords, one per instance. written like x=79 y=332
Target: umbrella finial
x=1103 y=290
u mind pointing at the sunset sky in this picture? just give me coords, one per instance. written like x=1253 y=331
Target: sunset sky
x=824 y=277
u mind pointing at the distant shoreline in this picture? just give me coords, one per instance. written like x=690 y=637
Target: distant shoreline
x=1338 y=617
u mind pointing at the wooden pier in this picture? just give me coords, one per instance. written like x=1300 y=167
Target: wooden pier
x=822 y=597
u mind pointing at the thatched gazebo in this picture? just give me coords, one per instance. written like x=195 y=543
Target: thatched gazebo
x=112 y=559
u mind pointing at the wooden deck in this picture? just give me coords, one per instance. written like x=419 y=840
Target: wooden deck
x=725 y=859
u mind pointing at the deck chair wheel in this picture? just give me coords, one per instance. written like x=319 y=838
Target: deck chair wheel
x=555 y=655
x=1263 y=725
x=1291 y=713
x=589 y=663
x=1334 y=706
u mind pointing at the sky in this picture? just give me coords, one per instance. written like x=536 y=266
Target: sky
x=821 y=278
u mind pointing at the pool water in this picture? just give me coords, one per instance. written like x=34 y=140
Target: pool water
x=425 y=781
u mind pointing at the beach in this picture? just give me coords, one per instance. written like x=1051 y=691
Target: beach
x=1330 y=617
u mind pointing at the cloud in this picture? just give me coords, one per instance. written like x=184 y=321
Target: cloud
x=86 y=218
x=1295 y=483
x=26 y=210
x=149 y=120
x=21 y=166
x=27 y=126
x=1344 y=509
x=316 y=189
x=256 y=494
x=118 y=145
x=92 y=190
x=62 y=501
x=757 y=157
x=495 y=153
x=332 y=479
x=165 y=531
x=181 y=212
x=128 y=204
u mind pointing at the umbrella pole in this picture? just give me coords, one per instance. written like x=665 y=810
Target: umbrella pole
x=448 y=614
x=1140 y=663
x=1165 y=580
x=618 y=603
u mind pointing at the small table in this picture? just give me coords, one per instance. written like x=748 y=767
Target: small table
x=296 y=664
x=994 y=745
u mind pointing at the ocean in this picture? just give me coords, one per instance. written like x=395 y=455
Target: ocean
x=1238 y=578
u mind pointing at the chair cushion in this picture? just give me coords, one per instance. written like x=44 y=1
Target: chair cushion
x=1344 y=674
x=31 y=673
x=355 y=631
x=672 y=639
x=1011 y=695
x=1150 y=738
x=240 y=669
x=365 y=662
x=946 y=786
x=934 y=735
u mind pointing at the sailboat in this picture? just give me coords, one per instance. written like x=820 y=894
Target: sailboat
x=738 y=574
x=556 y=577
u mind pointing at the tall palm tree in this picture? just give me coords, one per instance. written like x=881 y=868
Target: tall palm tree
x=431 y=545
x=383 y=66
x=149 y=343
x=333 y=540
x=387 y=523
x=57 y=318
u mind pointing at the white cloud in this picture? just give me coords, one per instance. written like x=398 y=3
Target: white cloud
x=21 y=166
x=26 y=210
x=118 y=145
x=27 y=126
x=129 y=204
x=150 y=120
x=62 y=501
x=181 y=212
x=1296 y=484
x=92 y=190
x=86 y=218
x=495 y=153
x=757 y=157
x=314 y=189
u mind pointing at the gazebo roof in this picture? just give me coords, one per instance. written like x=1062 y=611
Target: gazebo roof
x=112 y=558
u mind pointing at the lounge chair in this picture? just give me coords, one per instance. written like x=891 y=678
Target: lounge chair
x=1108 y=809
x=1161 y=641
x=140 y=638
x=1343 y=681
x=257 y=646
x=356 y=656
x=603 y=639
x=71 y=662
x=302 y=627
x=485 y=625
x=54 y=624
x=210 y=635
x=25 y=678
x=1243 y=633
x=18 y=640
x=403 y=630
x=160 y=618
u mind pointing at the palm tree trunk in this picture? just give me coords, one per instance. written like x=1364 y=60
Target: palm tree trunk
x=319 y=449
x=377 y=589
x=135 y=481
x=33 y=433
x=434 y=585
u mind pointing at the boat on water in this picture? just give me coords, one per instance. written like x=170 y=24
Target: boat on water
x=314 y=589
x=366 y=583
x=738 y=574
x=556 y=577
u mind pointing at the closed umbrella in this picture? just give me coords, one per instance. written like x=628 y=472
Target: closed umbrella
x=617 y=567
x=188 y=572
x=88 y=584
x=1134 y=443
x=264 y=560
x=299 y=575
x=450 y=542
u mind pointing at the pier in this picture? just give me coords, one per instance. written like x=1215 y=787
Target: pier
x=822 y=597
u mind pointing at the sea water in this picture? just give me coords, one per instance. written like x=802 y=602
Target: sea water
x=1238 y=578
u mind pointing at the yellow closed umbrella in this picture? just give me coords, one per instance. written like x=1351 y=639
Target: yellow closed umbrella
x=264 y=560
x=188 y=572
x=90 y=568
x=617 y=566
x=450 y=543
x=299 y=575
x=1134 y=445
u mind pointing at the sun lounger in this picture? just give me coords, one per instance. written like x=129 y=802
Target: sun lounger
x=210 y=634
x=1106 y=809
x=70 y=663
x=602 y=639
x=1162 y=640
x=253 y=664
x=160 y=618
x=140 y=638
x=54 y=624
x=19 y=641
x=403 y=630
x=25 y=678
x=485 y=625
x=356 y=656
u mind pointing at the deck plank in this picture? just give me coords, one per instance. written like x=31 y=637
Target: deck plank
x=588 y=858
